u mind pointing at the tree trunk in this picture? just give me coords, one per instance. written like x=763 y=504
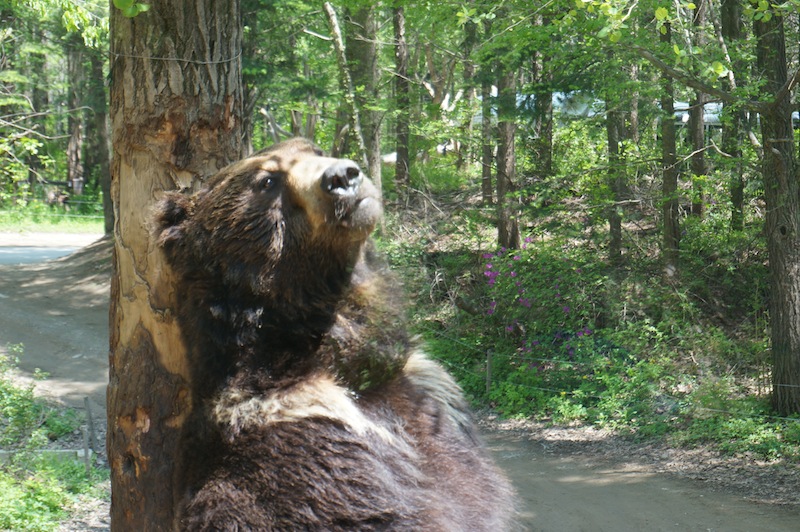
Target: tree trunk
x=361 y=39
x=39 y=102
x=100 y=158
x=614 y=133
x=783 y=215
x=402 y=88
x=698 y=159
x=75 y=177
x=465 y=154
x=543 y=114
x=487 y=153
x=733 y=127
x=353 y=128
x=176 y=99
x=697 y=121
x=669 y=173
x=507 y=219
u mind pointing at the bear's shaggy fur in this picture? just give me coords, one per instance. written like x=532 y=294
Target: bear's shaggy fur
x=313 y=409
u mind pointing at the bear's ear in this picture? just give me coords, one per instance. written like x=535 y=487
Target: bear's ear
x=170 y=217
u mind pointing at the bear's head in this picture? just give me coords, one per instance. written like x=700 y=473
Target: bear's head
x=274 y=270
x=259 y=225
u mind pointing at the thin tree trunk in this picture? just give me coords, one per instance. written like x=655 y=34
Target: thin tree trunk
x=698 y=161
x=781 y=191
x=100 y=155
x=75 y=175
x=361 y=43
x=543 y=114
x=507 y=220
x=487 y=153
x=176 y=98
x=614 y=127
x=347 y=84
x=733 y=128
x=669 y=172
x=402 y=174
x=464 y=153
x=697 y=121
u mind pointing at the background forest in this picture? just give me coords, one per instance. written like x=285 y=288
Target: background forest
x=594 y=204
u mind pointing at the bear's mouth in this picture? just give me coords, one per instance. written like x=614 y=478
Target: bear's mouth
x=356 y=202
x=363 y=215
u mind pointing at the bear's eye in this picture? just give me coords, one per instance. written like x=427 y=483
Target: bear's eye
x=268 y=181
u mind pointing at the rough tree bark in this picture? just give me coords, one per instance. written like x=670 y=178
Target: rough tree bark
x=782 y=194
x=615 y=123
x=733 y=128
x=362 y=51
x=175 y=105
x=697 y=122
x=507 y=220
x=669 y=171
x=354 y=119
x=75 y=74
x=98 y=161
x=402 y=89
x=487 y=148
x=542 y=76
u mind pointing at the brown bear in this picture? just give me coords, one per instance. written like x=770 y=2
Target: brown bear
x=313 y=408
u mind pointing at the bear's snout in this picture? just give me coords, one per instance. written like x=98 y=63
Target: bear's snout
x=343 y=178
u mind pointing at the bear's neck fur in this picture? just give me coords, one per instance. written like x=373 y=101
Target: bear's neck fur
x=346 y=321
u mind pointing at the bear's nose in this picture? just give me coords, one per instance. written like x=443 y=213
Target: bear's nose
x=342 y=178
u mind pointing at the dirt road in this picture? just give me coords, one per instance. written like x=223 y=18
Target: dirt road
x=58 y=310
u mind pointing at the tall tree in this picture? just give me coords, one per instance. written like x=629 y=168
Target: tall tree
x=782 y=194
x=402 y=89
x=176 y=99
x=669 y=169
x=361 y=44
x=75 y=75
x=486 y=76
x=98 y=160
x=734 y=124
x=615 y=125
x=507 y=219
x=696 y=119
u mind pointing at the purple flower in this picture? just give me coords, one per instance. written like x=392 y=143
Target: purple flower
x=488 y=255
x=566 y=309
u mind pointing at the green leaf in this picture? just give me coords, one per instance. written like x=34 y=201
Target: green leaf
x=662 y=13
x=131 y=8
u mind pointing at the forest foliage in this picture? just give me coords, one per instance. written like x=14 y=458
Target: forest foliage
x=592 y=270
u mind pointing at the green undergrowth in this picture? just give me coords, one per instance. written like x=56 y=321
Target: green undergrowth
x=84 y=215
x=551 y=332
x=37 y=489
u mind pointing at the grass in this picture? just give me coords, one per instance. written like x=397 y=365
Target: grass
x=37 y=490
x=85 y=215
x=32 y=222
x=571 y=340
